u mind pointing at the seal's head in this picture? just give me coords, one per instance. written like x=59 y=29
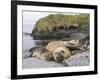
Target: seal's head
x=59 y=56
x=46 y=55
x=61 y=53
x=59 y=50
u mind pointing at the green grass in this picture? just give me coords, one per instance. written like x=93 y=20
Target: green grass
x=56 y=21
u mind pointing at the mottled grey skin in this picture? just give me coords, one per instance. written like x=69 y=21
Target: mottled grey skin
x=41 y=53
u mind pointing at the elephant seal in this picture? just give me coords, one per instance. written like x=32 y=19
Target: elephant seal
x=41 y=53
x=59 y=51
x=81 y=45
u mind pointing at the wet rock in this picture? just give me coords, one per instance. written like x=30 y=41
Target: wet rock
x=82 y=59
x=36 y=63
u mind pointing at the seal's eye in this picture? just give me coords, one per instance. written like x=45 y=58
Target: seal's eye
x=71 y=43
x=62 y=52
x=56 y=53
x=45 y=55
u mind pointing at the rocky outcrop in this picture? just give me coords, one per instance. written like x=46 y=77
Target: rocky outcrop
x=54 y=22
x=59 y=24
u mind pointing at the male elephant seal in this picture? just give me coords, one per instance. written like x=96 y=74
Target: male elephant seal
x=41 y=53
x=59 y=50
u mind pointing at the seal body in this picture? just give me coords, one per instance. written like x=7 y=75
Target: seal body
x=42 y=53
x=59 y=50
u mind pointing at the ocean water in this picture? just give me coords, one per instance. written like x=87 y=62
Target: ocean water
x=29 y=21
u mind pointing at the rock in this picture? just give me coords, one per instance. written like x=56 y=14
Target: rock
x=78 y=35
x=36 y=63
x=82 y=59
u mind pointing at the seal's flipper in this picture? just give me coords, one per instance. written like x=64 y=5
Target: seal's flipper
x=28 y=56
x=30 y=50
x=65 y=63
